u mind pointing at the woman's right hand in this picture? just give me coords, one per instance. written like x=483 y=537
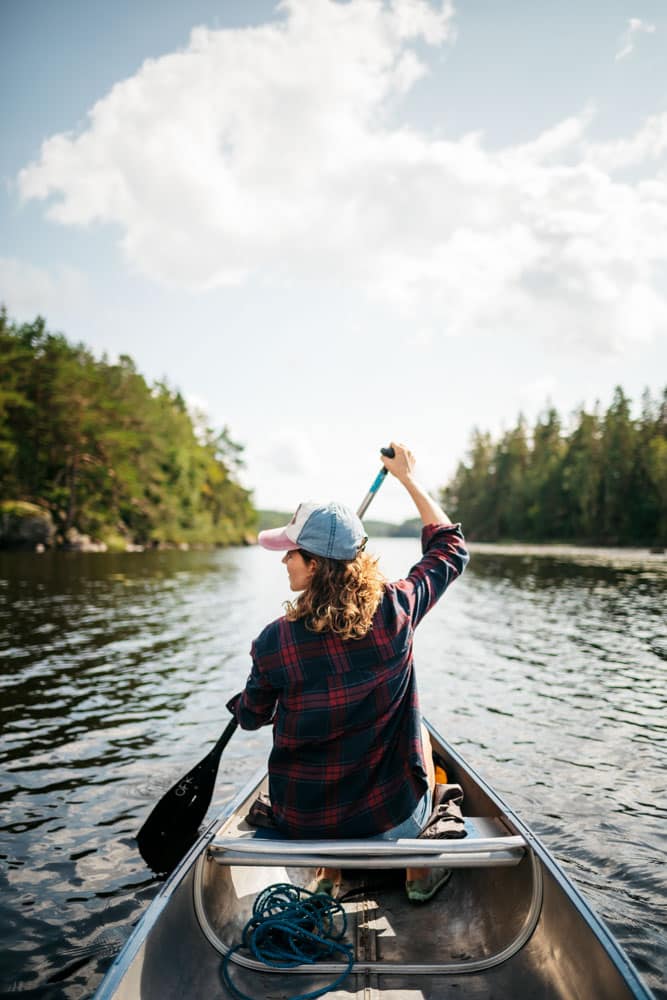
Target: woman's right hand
x=402 y=464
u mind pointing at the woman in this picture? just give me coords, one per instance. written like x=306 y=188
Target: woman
x=335 y=676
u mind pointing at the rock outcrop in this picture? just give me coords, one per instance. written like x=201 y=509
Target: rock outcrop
x=24 y=525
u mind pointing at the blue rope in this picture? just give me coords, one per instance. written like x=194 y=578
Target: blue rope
x=291 y=926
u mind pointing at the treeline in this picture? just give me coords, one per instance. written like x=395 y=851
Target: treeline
x=602 y=480
x=106 y=453
x=384 y=529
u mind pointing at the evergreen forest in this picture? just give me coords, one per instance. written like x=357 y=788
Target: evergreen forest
x=100 y=451
x=97 y=449
x=600 y=480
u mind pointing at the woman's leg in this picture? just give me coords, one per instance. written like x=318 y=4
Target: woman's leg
x=412 y=874
x=428 y=757
x=328 y=879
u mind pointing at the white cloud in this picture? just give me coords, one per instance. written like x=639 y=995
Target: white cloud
x=290 y=452
x=197 y=405
x=627 y=43
x=199 y=409
x=534 y=395
x=283 y=457
x=421 y=337
x=27 y=290
x=278 y=151
x=648 y=144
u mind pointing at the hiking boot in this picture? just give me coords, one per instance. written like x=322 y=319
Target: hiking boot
x=422 y=889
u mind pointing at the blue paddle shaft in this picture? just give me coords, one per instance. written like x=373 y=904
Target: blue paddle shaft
x=376 y=484
x=378 y=481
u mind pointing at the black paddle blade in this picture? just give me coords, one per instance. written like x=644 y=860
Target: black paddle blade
x=173 y=824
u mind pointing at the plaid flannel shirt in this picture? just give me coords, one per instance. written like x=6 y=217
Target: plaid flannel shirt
x=347 y=757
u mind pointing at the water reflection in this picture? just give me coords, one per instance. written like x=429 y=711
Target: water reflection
x=548 y=674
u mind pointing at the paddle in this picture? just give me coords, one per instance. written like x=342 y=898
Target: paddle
x=172 y=826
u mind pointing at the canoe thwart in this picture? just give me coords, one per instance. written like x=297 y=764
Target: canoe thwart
x=487 y=844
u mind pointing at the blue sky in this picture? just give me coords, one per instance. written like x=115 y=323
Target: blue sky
x=334 y=223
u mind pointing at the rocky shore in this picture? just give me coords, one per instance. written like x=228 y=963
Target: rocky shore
x=26 y=525
x=29 y=527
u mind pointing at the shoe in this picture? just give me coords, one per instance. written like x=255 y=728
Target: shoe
x=323 y=884
x=423 y=889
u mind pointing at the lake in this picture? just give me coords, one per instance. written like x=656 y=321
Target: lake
x=546 y=672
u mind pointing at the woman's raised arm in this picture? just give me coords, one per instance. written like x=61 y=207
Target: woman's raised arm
x=402 y=466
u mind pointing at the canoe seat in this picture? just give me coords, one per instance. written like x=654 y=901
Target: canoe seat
x=488 y=844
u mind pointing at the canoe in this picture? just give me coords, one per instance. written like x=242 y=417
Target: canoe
x=508 y=923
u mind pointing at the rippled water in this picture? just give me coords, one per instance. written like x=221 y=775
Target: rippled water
x=547 y=673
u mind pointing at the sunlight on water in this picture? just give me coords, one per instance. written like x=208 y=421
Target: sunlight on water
x=547 y=673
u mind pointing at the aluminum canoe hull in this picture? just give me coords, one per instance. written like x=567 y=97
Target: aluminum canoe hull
x=511 y=926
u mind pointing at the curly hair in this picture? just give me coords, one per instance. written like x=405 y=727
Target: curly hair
x=341 y=597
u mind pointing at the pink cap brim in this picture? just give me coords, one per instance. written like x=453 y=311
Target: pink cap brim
x=276 y=539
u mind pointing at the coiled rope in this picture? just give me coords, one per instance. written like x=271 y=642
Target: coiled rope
x=292 y=926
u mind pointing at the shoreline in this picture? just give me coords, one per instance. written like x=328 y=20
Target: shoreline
x=594 y=554
x=555 y=550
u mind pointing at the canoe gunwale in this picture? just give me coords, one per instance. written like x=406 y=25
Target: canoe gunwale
x=599 y=929
x=120 y=965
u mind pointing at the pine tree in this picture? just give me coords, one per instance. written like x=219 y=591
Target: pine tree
x=581 y=478
x=618 y=439
x=545 y=514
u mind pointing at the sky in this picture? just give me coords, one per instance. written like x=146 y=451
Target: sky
x=335 y=223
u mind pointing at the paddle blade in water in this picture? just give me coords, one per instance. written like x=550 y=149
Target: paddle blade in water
x=173 y=824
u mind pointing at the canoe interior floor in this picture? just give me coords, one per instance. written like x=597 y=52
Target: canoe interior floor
x=384 y=927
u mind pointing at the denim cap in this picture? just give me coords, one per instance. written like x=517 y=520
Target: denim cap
x=325 y=529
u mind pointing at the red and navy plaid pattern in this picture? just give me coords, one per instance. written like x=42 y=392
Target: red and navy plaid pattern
x=347 y=755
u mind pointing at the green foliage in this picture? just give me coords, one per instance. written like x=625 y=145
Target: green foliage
x=268 y=519
x=603 y=482
x=109 y=454
x=21 y=508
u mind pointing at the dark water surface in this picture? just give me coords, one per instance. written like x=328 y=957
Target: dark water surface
x=547 y=673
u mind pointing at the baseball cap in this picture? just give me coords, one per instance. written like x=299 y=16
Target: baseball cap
x=325 y=529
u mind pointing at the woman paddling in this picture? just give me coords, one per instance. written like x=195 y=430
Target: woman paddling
x=335 y=676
